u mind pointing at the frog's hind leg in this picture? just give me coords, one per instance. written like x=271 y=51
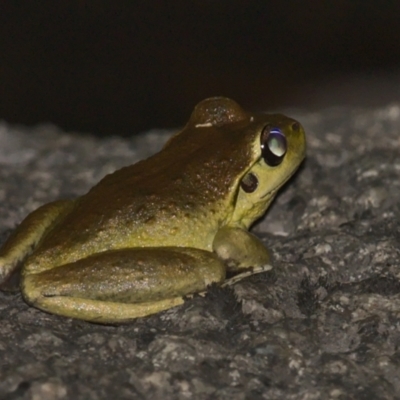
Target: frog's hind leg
x=120 y=285
x=102 y=312
x=28 y=234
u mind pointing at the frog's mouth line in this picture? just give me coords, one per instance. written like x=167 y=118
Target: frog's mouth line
x=273 y=191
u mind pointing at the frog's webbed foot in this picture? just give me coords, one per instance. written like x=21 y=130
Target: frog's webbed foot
x=120 y=285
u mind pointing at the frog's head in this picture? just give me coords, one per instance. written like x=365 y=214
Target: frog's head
x=278 y=149
x=239 y=158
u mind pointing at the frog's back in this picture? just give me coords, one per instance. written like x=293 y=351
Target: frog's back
x=179 y=196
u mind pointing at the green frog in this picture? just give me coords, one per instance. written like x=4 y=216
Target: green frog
x=164 y=228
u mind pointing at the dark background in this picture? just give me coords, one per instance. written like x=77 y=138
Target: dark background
x=124 y=66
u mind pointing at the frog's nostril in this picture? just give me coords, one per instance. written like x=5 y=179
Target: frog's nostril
x=295 y=126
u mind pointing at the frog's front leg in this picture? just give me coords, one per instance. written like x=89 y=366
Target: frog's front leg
x=242 y=252
x=120 y=285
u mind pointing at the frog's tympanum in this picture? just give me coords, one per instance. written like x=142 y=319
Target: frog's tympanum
x=151 y=233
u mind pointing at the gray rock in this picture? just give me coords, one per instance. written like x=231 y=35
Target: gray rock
x=324 y=323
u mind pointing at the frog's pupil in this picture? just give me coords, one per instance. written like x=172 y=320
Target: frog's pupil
x=276 y=145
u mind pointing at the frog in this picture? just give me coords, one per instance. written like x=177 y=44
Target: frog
x=152 y=234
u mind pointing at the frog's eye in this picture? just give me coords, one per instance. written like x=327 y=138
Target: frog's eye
x=273 y=146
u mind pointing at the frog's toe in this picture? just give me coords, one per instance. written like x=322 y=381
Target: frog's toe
x=251 y=271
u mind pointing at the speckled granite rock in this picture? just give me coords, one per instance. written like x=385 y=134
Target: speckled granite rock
x=324 y=324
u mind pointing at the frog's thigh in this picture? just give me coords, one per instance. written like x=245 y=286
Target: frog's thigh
x=120 y=285
x=240 y=249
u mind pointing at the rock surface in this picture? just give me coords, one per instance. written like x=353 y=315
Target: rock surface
x=323 y=324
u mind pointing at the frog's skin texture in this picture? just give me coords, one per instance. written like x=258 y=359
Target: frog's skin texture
x=166 y=227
